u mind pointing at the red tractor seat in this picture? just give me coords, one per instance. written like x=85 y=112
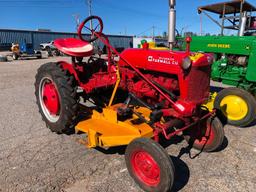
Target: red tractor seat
x=74 y=47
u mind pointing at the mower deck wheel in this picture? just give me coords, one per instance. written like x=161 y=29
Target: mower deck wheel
x=206 y=136
x=237 y=106
x=57 y=99
x=149 y=165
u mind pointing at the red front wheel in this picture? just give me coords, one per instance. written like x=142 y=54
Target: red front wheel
x=149 y=165
x=207 y=135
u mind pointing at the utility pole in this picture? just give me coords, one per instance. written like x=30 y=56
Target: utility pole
x=125 y=31
x=77 y=19
x=89 y=2
x=201 y=24
x=153 y=31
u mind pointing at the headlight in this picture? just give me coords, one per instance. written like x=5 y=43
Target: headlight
x=186 y=63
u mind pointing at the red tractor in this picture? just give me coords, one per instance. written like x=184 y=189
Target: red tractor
x=138 y=98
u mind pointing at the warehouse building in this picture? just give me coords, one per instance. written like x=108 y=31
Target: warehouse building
x=35 y=38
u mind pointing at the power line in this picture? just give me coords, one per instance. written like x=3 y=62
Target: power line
x=152 y=29
x=39 y=3
x=37 y=6
x=31 y=1
x=109 y=5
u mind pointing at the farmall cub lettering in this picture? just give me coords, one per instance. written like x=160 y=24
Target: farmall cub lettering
x=162 y=60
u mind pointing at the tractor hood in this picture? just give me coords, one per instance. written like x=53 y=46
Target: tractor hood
x=163 y=61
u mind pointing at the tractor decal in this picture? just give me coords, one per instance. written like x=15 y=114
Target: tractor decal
x=163 y=60
x=222 y=46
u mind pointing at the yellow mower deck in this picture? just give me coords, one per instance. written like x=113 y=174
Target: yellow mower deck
x=104 y=130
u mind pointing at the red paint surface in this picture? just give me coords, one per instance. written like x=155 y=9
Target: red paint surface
x=145 y=168
x=61 y=44
x=205 y=136
x=51 y=98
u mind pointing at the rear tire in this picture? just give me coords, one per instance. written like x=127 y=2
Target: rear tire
x=57 y=99
x=56 y=53
x=49 y=51
x=149 y=165
x=3 y=58
x=39 y=55
x=237 y=106
x=15 y=56
x=207 y=136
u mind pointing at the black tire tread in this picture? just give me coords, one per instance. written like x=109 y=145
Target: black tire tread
x=218 y=140
x=160 y=155
x=66 y=86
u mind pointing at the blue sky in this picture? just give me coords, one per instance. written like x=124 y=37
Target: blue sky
x=132 y=17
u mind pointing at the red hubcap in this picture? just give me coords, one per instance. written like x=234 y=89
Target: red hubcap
x=51 y=98
x=205 y=136
x=146 y=168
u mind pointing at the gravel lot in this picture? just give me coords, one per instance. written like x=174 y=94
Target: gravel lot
x=32 y=158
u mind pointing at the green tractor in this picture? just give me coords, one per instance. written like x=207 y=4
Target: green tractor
x=235 y=59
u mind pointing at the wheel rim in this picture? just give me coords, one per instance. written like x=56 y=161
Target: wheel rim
x=234 y=107
x=145 y=168
x=49 y=99
x=205 y=136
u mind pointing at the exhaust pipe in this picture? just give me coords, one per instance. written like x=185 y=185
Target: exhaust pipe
x=242 y=24
x=172 y=23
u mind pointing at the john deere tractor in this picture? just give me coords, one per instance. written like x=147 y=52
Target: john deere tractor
x=235 y=59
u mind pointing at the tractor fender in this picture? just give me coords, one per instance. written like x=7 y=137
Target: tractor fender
x=70 y=68
x=250 y=74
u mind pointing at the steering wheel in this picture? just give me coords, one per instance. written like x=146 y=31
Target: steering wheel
x=92 y=25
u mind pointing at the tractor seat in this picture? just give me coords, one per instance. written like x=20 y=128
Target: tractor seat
x=74 y=47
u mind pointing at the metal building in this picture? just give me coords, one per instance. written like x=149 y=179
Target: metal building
x=9 y=36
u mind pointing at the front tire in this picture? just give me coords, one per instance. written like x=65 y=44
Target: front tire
x=237 y=106
x=206 y=136
x=56 y=96
x=149 y=165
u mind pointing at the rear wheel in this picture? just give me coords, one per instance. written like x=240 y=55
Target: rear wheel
x=237 y=106
x=149 y=165
x=3 y=58
x=56 y=52
x=57 y=99
x=39 y=55
x=206 y=136
x=15 y=56
x=49 y=51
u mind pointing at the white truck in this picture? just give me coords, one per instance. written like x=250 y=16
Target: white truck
x=50 y=48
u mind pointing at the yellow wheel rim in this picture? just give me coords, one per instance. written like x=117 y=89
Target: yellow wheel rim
x=234 y=107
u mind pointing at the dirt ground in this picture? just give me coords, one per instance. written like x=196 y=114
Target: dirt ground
x=32 y=158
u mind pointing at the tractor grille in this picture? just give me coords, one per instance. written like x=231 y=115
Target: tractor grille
x=199 y=84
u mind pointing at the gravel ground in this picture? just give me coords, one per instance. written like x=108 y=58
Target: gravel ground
x=32 y=158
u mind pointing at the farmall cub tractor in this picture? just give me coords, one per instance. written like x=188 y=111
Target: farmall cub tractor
x=143 y=97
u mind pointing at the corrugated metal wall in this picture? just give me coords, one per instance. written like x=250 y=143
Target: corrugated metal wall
x=7 y=37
